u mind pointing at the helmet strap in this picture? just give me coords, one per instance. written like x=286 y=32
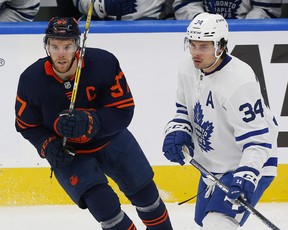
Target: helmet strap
x=217 y=56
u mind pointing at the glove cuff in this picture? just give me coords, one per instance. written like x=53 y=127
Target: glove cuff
x=173 y=126
x=43 y=143
x=99 y=7
x=94 y=123
x=248 y=173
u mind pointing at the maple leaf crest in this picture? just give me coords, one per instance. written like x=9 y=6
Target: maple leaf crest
x=203 y=129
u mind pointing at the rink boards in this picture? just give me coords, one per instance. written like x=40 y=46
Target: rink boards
x=149 y=54
x=33 y=186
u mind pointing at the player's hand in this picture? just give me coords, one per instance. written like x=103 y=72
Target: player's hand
x=173 y=143
x=52 y=149
x=244 y=183
x=119 y=7
x=77 y=124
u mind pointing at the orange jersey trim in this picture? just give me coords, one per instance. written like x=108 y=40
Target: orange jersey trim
x=126 y=105
x=122 y=103
x=49 y=71
x=91 y=150
x=24 y=125
x=23 y=105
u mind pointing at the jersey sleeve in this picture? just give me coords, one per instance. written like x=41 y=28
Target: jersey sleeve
x=181 y=107
x=28 y=118
x=181 y=120
x=117 y=107
x=265 y=9
x=187 y=9
x=19 y=11
x=247 y=113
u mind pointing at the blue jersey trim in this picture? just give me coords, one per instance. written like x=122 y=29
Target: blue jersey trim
x=147 y=26
x=179 y=105
x=252 y=133
x=272 y=161
x=182 y=111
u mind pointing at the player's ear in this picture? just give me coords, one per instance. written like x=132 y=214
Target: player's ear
x=220 y=48
x=45 y=45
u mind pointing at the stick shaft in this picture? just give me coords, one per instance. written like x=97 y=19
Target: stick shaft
x=82 y=52
x=79 y=65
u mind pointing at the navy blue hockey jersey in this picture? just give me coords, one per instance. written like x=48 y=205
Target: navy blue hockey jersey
x=41 y=96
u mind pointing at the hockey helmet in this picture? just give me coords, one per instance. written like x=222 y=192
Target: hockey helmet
x=63 y=27
x=208 y=27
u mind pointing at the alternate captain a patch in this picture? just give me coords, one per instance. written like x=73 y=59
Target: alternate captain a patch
x=203 y=129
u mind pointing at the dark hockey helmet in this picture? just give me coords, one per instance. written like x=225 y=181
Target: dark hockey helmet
x=64 y=28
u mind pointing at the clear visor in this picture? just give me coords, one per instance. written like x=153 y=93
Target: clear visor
x=193 y=47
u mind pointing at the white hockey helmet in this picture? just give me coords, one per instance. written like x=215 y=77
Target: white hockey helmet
x=208 y=27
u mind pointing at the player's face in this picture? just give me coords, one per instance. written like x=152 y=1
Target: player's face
x=62 y=53
x=203 y=53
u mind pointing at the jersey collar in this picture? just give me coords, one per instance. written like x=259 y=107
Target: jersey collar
x=226 y=60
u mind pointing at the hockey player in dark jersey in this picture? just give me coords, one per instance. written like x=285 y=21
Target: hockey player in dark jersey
x=96 y=131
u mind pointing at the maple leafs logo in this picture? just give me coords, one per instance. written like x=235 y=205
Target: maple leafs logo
x=203 y=129
x=226 y=8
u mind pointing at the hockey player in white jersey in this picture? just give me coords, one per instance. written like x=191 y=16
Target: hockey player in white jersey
x=229 y=9
x=223 y=120
x=18 y=10
x=126 y=10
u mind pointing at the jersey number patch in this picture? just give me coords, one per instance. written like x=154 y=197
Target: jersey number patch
x=251 y=111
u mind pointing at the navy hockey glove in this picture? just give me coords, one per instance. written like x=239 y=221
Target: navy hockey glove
x=114 y=7
x=52 y=149
x=244 y=183
x=177 y=135
x=77 y=124
x=120 y=7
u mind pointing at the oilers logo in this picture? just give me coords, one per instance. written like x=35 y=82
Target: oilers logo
x=203 y=129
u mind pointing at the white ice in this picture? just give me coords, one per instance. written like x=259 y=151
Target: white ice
x=70 y=217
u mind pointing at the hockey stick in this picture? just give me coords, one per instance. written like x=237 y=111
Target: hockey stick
x=225 y=189
x=79 y=65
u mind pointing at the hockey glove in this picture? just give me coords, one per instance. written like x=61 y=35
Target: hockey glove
x=52 y=149
x=114 y=7
x=77 y=124
x=176 y=137
x=243 y=184
x=120 y=7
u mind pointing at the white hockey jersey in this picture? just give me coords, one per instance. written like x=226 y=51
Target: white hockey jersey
x=145 y=9
x=18 y=10
x=232 y=126
x=229 y=9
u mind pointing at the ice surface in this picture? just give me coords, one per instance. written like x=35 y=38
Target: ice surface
x=70 y=217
